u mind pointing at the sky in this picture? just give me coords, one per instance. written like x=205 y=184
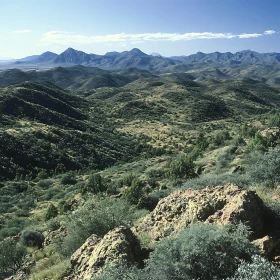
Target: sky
x=167 y=27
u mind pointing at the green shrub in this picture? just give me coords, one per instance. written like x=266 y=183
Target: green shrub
x=266 y=171
x=220 y=137
x=32 y=238
x=95 y=184
x=68 y=179
x=205 y=180
x=52 y=212
x=45 y=184
x=202 y=251
x=97 y=217
x=53 y=224
x=17 y=187
x=181 y=168
x=224 y=158
x=43 y=174
x=11 y=257
x=121 y=272
x=274 y=121
x=135 y=193
x=259 y=142
x=258 y=269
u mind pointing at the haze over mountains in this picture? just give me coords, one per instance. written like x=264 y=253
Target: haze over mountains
x=74 y=69
x=137 y=58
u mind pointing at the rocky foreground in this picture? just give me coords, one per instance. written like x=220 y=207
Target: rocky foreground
x=219 y=205
x=214 y=204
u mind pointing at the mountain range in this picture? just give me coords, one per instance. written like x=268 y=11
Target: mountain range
x=138 y=59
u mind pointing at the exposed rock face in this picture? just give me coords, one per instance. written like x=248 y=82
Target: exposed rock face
x=220 y=205
x=118 y=245
x=265 y=245
x=52 y=235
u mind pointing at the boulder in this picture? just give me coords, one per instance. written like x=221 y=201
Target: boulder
x=214 y=204
x=266 y=245
x=117 y=246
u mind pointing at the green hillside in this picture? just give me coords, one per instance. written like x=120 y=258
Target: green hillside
x=86 y=153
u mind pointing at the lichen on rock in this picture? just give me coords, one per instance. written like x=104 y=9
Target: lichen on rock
x=219 y=204
x=117 y=246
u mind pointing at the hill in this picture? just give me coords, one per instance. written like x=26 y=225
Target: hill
x=105 y=165
x=74 y=77
x=44 y=128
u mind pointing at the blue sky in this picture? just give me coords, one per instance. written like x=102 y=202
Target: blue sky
x=168 y=27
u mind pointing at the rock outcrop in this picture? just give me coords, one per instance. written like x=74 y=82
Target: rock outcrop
x=118 y=245
x=266 y=245
x=220 y=205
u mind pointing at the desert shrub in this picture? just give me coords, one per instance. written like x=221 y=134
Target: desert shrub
x=248 y=131
x=43 y=174
x=151 y=200
x=202 y=251
x=121 y=272
x=224 y=158
x=127 y=180
x=97 y=217
x=135 y=193
x=53 y=268
x=52 y=212
x=266 y=171
x=181 y=168
x=202 y=142
x=53 y=224
x=219 y=137
x=238 y=141
x=12 y=227
x=95 y=184
x=259 y=142
x=17 y=187
x=32 y=238
x=258 y=269
x=205 y=180
x=11 y=257
x=68 y=179
x=67 y=205
x=274 y=120
x=45 y=184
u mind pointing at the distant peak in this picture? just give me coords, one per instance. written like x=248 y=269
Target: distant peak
x=112 y=53
x=155 y=54
x=137 y=51
x=70 y=49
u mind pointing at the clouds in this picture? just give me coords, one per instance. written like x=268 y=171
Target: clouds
x=269 y=32
x=66 y=38
x=22 y=31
